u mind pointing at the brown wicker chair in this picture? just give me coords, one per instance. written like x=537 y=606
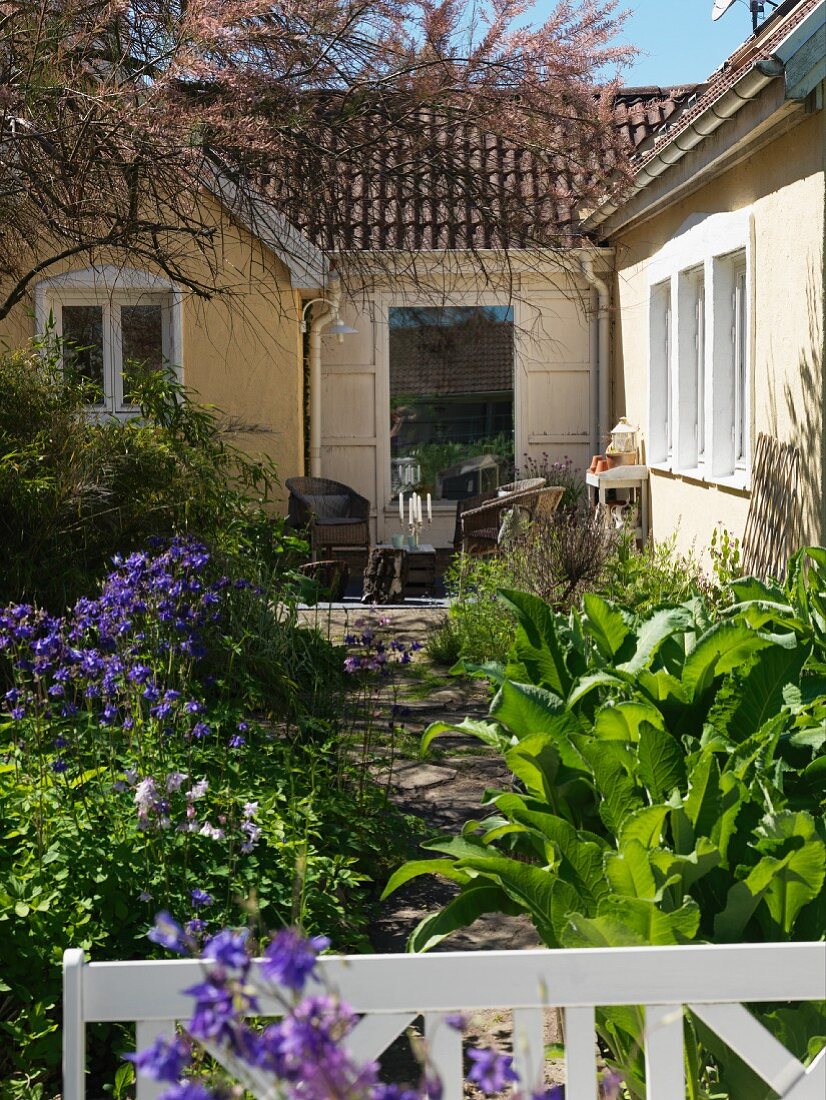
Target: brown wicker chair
x=332 y=514
x=481 y=525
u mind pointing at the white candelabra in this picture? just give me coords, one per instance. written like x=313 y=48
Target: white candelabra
x=415 y=520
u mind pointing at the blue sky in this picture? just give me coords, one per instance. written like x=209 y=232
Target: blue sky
x=678 y=40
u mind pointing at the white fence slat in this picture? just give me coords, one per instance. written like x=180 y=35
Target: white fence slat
x=812 y=1086
x=529 y=1048
x=664 y=1059
x=747 y=1037
x=372 y=1035
x=580 y=1054
x=449 y=981
x=146 y=1032
x=74 y=1026
x=444 y=1054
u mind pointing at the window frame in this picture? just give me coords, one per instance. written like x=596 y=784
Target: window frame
x=711 y=372
x=111 y=289
x=457 y=301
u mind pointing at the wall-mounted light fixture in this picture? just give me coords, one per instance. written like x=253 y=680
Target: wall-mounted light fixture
x=340 y=329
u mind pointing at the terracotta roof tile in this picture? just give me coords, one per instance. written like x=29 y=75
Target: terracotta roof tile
x=642 y=113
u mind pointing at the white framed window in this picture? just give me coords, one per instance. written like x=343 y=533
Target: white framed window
x=660 y=374
x=115 y=325
x=699 y=295
x=740 y=362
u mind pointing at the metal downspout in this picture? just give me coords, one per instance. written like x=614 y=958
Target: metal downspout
x=603 y=349
x=333 y=290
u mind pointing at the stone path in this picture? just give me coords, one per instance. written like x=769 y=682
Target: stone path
x=444 y=791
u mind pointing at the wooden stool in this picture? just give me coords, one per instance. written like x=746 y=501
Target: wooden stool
x=385 y=575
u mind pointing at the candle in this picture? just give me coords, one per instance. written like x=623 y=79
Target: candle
x=401 y=506
x=429 y=510
x=418 y=507
x=410 y=510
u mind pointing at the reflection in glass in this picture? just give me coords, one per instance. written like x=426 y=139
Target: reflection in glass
x=142 y=344
x=83 y=346
x=451 y=398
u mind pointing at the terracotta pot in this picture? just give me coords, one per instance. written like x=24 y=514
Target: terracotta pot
x=602 y=466
x=593 y=467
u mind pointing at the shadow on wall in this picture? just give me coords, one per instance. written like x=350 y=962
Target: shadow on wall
x=806 y=414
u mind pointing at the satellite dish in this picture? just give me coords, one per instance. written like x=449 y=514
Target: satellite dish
x=721 y=7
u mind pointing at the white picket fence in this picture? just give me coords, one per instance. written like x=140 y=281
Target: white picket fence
x=390 y=991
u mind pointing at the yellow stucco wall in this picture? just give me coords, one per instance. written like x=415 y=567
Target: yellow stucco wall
x=783 y=184
x=242 y=349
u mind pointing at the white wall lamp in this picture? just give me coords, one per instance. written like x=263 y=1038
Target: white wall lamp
x=338 y=328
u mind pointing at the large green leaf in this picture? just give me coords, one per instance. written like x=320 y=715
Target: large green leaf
x=621 y=798
x=661 y=762
x=646 y=920
x=725 y=646
x=702 y=804
x=474 y=901
x=535 y=762
x=745 y=703
x=629 y=871
x=490 y=733
x=527 y=710
x=530 y=887
x=538 y=646
x=621 y=721
x=445 y=867
x=646 y=826
x=653 y=632
x=605 y=623
x=581 y=859
x=785 y=884
x=796 y=880
x=599 y=931
x=686 y=869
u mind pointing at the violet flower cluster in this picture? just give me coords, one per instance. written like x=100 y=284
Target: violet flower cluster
x=375 y=653
x=124 y=664
x=301 y=1056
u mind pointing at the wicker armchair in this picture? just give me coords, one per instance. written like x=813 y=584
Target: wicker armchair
x=332 y=514
x=481 y=525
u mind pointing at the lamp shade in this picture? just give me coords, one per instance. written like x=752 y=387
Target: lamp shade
x=340 y=328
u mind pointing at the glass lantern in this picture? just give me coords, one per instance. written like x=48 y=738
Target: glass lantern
x=623 y=438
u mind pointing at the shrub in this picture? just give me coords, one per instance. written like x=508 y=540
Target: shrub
x=561 y=557
x=479 y=628
x=132 y=777
x=76 y=490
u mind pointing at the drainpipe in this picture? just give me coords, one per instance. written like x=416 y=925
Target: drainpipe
x=332 y=299
x=603 y=348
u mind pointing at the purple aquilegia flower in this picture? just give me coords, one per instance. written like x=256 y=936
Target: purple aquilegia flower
x=290 y=958
x=456 y=1020
x=237 y=741
x=163 y=1061
x=491 y=1071
x=169 y=934
x=228 y=948
x=555 y=1092
x=200 y=898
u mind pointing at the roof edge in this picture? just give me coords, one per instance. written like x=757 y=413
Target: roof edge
x=758 y=74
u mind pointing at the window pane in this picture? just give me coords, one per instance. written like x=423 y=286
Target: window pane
x=451 y=399
x=142 y=344
x=83 y=346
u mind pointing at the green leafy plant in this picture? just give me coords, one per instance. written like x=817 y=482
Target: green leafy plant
x=75 y=490
x=670 y=790
x=477 y=628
